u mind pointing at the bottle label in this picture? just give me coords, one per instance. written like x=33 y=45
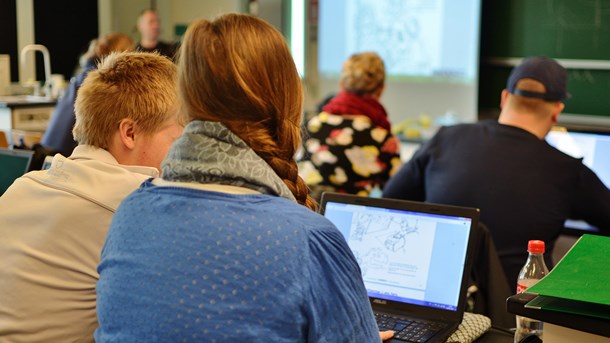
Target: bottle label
x=524 y=284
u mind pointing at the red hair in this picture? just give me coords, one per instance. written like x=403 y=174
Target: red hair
x=238 y=70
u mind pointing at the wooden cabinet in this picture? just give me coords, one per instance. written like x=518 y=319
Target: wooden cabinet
x=25 y=115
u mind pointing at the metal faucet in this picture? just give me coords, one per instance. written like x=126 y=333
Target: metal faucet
x=47 y=64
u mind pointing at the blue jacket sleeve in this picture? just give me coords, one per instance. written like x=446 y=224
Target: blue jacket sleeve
x=58 y=134
x=338 y=305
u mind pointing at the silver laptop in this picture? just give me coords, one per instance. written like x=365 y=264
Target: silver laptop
x=415 y=260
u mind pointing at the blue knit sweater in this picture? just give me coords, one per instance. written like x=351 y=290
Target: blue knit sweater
x=199 y=266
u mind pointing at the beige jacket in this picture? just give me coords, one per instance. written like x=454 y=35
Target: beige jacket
x=53 y=224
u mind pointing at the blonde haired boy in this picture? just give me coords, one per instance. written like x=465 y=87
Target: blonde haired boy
x=53 y=223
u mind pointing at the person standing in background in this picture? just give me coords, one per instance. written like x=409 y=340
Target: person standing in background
x=58 y=135
x=349 y=146
x=149 y=27
x=53 y=222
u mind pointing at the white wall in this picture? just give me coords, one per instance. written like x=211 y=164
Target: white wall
x=121 y=15
x=25 y=36
x=271 y=11
x=410 y=100
x=104 y=16
x=124 y=16
x=186 y=11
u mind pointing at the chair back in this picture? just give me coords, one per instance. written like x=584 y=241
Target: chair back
x=489 y=278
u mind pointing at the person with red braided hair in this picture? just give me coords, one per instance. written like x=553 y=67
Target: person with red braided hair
x=226 y=245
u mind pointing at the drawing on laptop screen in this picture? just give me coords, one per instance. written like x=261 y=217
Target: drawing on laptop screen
x=405 y=256
x=393 y=251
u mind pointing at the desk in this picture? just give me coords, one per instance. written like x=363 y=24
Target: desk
x=25 y=113
x=560 y=326
x=560 y=334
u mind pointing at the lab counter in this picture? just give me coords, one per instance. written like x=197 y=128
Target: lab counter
x=25 y=113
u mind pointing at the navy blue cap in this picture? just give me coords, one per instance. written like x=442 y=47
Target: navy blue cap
x=545 y=70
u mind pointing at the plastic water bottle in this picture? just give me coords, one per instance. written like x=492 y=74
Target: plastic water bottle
x=533 y=270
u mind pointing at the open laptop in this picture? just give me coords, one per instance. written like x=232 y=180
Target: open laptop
x=415 y=260
x=13 y=164
x=593 y=146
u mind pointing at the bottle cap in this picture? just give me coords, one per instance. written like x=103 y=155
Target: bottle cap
x=535 y=247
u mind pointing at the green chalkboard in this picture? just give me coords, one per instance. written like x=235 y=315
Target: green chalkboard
x=590 y=90
x=567 y=29
x=561 y=29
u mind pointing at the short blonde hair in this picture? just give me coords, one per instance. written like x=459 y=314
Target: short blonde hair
x=135 y=85
x=238 y=70
x=363 y=73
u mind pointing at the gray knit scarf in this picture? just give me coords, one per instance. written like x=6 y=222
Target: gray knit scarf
x=208 y=152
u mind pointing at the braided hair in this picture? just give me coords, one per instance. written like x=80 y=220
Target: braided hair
x=238 y=70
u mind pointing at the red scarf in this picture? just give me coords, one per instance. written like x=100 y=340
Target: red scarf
x=349 y=103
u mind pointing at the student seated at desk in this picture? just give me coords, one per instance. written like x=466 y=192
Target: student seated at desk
x=225 y=246
x=349 y=147
x=524 y=187
x=53 y=223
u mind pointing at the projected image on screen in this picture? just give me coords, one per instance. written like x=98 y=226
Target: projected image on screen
x=415 y=38
x=410 y=46
x=422 y=42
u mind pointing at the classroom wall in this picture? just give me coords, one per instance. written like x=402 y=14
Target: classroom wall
x=186 y=11
x=503 y=27
x=25 y=36
x=120 y=15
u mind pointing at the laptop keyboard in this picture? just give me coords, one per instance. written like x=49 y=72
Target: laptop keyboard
x=408 y=330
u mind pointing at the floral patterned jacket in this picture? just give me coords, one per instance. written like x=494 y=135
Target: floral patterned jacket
x=347 y=154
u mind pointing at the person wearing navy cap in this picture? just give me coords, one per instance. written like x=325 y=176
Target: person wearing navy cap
x=525 y=188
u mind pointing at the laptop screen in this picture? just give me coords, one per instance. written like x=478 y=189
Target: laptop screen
x=406 y=256
x=14 y=164
x=594 y=149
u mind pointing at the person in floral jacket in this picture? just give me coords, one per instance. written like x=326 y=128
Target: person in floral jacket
x=348 y=147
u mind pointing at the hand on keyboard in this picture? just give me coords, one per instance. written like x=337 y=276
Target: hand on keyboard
x=385 y=335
